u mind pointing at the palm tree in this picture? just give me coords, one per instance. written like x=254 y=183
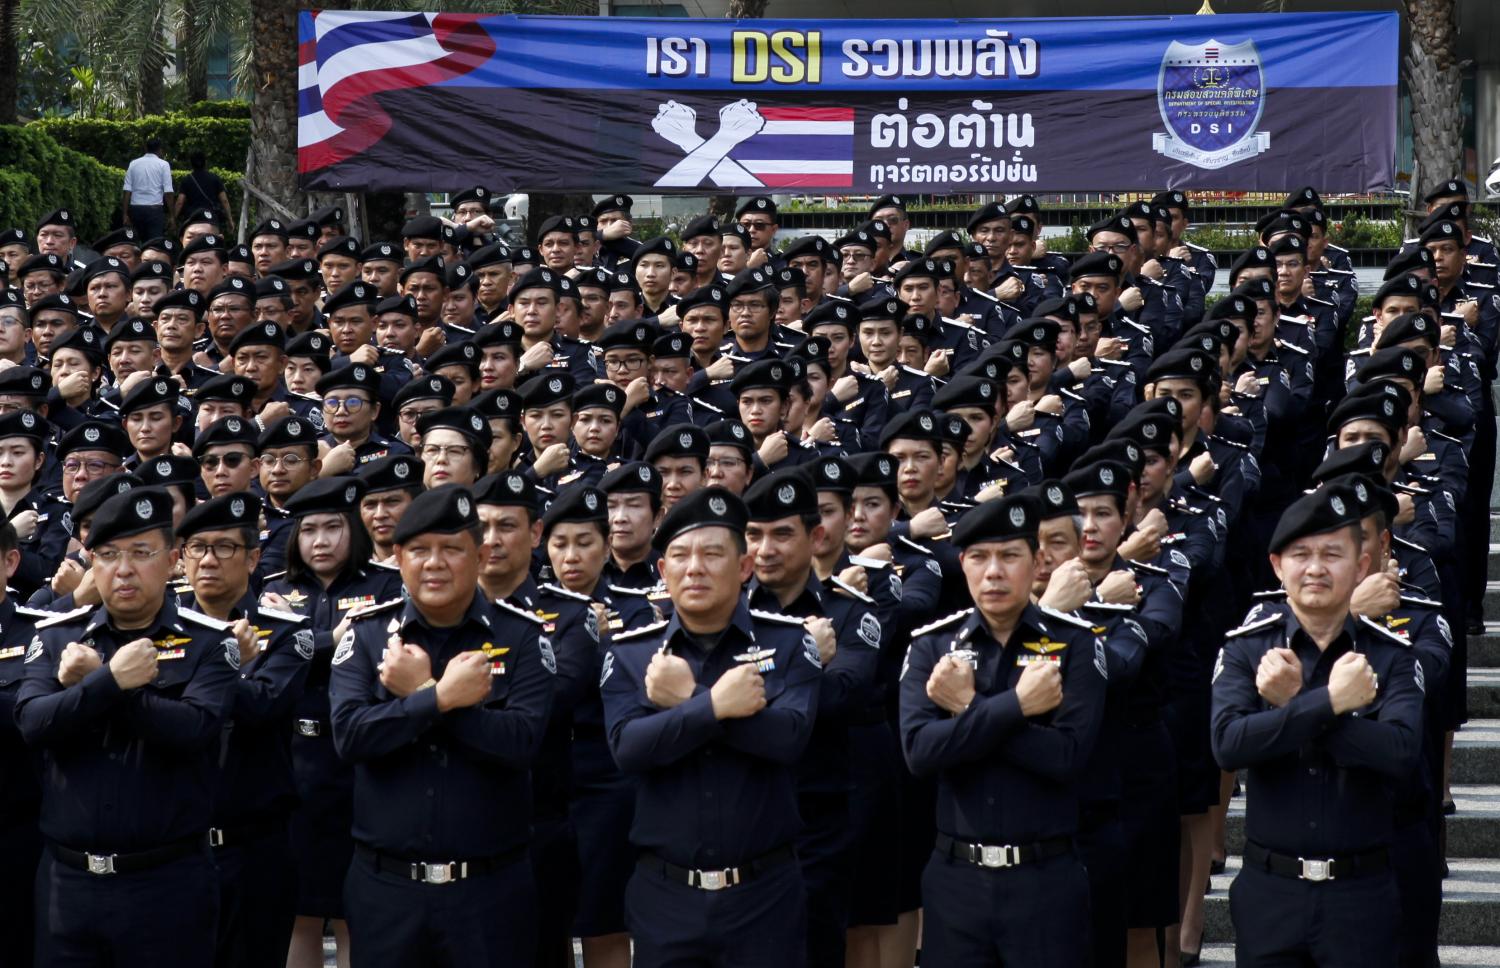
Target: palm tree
x=1433 y=76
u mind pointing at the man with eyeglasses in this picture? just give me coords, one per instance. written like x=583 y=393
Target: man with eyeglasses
x=229 y=311
x=125 y=703
x=288 y=452
x=302 y=282
x=891 y=209
x=273 y=302
x=350 y=315
x=350 y=406
x=225 y=450
x=424 y=395
x=628 y=360
x=91 y=450
x=731 y=460
x=1153 y=304
x=255 y=785
x=40 y=276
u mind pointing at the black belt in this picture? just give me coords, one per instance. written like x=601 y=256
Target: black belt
x=238 y=834
x=437 y=872
x=1318 y=869
x=719 y=879
x=131 y=863
x=998 y=856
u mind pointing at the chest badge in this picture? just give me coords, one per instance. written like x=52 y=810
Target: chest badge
x=763 y=659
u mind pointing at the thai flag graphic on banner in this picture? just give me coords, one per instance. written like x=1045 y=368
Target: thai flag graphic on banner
x=760 y=147
x=346 y=58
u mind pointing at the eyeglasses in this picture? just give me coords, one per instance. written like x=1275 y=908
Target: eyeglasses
x=744 y=308
x=290 y=461
x=222 y=550
x=724 y=463
x=137 y=556
x=412 y=416
x=92 y=466
x=450 y=452
x=210 y=462
x=350 y=404
x=755 y=225
x=222 y=310
x=627 y=366
x=11 y=321
x=1115 y=247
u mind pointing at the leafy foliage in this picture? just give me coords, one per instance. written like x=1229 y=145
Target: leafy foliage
x=222 y=140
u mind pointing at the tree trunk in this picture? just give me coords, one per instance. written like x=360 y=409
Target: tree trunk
x=743 y=9
x=273 y=110
x=152 y=96
x=541 y=206
x=9 y=61
x=194 y=58
x=1433 y=78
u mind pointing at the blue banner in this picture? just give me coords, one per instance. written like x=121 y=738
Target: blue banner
x=1254 y=102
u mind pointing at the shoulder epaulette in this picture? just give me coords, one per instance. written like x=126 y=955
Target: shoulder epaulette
x=1225 y=440
x=284 y=616
x=990 y=296
x=1264 y=623
x=1420 y=602
x=1194 y=245
x=1362 y=351
x=776 y=617
x=1477 y=285
x=63 y=618
x=532 y=616
x=1320 y=302
x=1149 y=569
x=1064 y=392
x=700 y=402
x=562 y=592
x=1365 y=620
x=623 y=590
x=198 y=618
x=913 y=545
x=374 y=608
x=956 y=322
x=942 y=623
x=1439 y=433
x=845 y=588
x=1270 y=595
x=275 y=575
x=864 y=562
x=41 y=613
x=636 y=633
x=914 y=371
x=1291 y=346
x=1072 y=620
x=384 y=567
x=1397 y=539
x=1336 y=248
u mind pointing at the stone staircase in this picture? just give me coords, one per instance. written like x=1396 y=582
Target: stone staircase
x=1469 y=933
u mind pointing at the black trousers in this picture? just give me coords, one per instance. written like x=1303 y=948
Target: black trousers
x=149 y=221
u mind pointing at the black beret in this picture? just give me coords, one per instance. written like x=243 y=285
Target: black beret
x=833 y=313
x=501 y=333
x=624 y=282
x=1449 y=188
x=613 y=203
x=99 y=490
x=464 y=354
x=882 y=307
x=232 y=286
x=781 y=494
x=105 y=265
x=295 y=270
x=1384 y=409
x=541 y=278
x=1278 y=223
x=1367 y=458
x=524 y=255
x=138 y=510
x=1003 y=519
x=498 y=404
x=42 y=262
x=271 y=226
x=832 y=474
x=703 y=225
x=507 y=489
x=918 y=423
x=1303 y=197
x=1009 y=354
x=865 y=237
x=600 y=394
x=352 y=294
x=189 y=299
x=292 y=431
x=1394 y=362
x=545 y=389
x=1371 y=493
x=464 y=420
x=1119 y=223
x=704 y=508
x=443 y=510
x=933 y=269
x=265 y=333
x=1184 y=363
x=789 y=278
x=1290 y=245
x=311 y=344
x=131 y=329
x=149 y=393
x=1233 y=307
x=1038 y=331
x=60 y=216
x=15 y=237
x=1058 y=308
x=272 y=287
x=352 y=376
x=239 y=253
x=661 y=245
x=1443 y=230
x=95 y=435
x=171 y=470
x=1414 y=258
x=432 y=264
x=57 y=300
x=712 y=294
x=728 y=432
x=679 y=440
x=887 y=201
x=26 y=381
x=736 y=230
x=1124 y=451
x=1100 y=477
x=1407 y=284
x=227 y=386
x=769 y=374
x=382 y=252
x=1256 y=290
x=429 y=387
x=1152 y=431
x=206 y=243
x=749 y=282
x=968 y=391
x=675 y=345
x=327 y=495
x=1329 y=508
x=558 y=223
x=240 y=509
x=1408 y=326
x=1220 y=332
x=459 y=275
x=306 y=228
x=423 y=227
x=577 y=504
x=761 y=204
x=1096 y=264
x=226 y=430
x=919 y=327
x=25 y=423
x=1255 y=257
x=170 y=246
x=1054 y=498
x=478 y=194
x=396 y=472
x=632 y=477
x=989 y=213
x=86 y=339
x=809 y=245
x=152 y=269
x=405 y=305
x=1171 y=199
x=634 y=334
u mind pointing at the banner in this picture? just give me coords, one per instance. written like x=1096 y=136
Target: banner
x=445 y=101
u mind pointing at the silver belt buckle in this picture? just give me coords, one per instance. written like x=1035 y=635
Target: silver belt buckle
x=716 y=880
x=101 y=863
x=438 y=873
x=308 y=727
x=1315 y=870
x=215 y=837
x=996 y=856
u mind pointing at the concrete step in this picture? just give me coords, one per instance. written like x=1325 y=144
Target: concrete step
x=1484 y=650
x=1484 y=692
x=1471 y=905
x=1494 y=562
x=1452 y=956
x=1476 y=753
x=1474 y=831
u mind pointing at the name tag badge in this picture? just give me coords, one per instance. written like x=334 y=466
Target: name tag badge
x=164 y=654
x=345 y=604
x=1026 y=660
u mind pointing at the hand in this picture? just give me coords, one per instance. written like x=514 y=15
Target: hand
x=87 y=592
x=204 y=360
x=1039 y=690
x=340 y=459
x=1081 y=368
x=1181 y=253
x=774 y=449
x=134 y=664
x=244 y=637
x=465 y=682
x=720 y=369
x=1415 y=446
x=821 y=629
x=537 y=359
x=928 y=524
x=739 y=693
x=1309 y=288
x=1144 y=544
x=1202 y=468
x=1247 y=385
x=1051 y=403
x=937 y=363
x=620 y=228
x=25 y=525
x=273 y=412
x=1406 y=509
x=1020 y=417
x=739 y=120
x=823 y=431
x=552 y=460
x=69 y=575
x=1131 y=300
x=366 y=354
x=136 y=379
x=74 y=388
x=1279 y=678
x=1040 y=249
x=990 y=492
x=1448 y=337
x=1108 y=348
x=342 y=629
x=1379 y=594
x=1010 y=290
x=77 y=661
x=889 y=376
x=881 y=551
x=861 y=283
x=895 y=268
x=1119 y=588
x=794 y=324
x=845 y=388
x=1351 y=683
x=757 y=259
x=1068 y=588
x=669 y=681
x=1152 y=269
x=678 y=124
x=951 y=685
x=273 y=600
x=430 y=340
x=404 y=668
x=636 y=393
x=1433 y=383
x=856 y=578
x=480 y=224
x=1469 y=309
